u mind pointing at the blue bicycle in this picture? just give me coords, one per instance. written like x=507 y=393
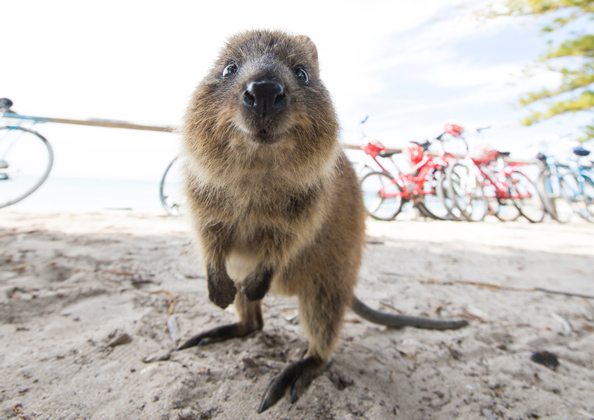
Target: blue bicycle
x=26 y=157
x=567 y=188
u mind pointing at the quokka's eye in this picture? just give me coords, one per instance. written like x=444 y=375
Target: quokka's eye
x=302 y=75
x=231 y=68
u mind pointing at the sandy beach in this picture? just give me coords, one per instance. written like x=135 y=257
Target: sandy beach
x=91 y=305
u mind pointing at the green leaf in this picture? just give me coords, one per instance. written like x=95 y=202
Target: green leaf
x=584 y=102
x=582 y=46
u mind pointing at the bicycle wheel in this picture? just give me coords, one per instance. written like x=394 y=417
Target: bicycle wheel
x=466 y=192
x=578 y=195
x=588 y=192
x=26 y=159
x=526 y=197
x=555 y=199
x=432 y=203
x=382 y=196
x=503 y=208
x=446 y=200
x=171 y=189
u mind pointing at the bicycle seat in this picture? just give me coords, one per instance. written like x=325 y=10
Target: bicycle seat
x=388 y=154
x=425 y=145
x=5 y=104
x=580 y=151
x=373 y=148
x=504 y=154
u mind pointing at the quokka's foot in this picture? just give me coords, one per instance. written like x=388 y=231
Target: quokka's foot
x=297 y=376
x=219 y=334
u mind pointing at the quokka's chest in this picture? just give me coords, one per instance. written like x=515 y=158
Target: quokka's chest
x=264 y=204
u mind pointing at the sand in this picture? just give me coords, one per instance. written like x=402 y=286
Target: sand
x=86 y=300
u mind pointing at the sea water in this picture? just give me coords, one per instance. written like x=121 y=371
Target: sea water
x=86 y=195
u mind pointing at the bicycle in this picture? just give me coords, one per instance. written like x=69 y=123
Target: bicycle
x=26 y=157
x=384 y=193
x=443 y=187
x=449 y=187
x=566 y=189
x=503 y=190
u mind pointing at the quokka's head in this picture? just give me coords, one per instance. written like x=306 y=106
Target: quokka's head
x=263 y=96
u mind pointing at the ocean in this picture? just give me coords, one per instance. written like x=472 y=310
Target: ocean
x=58 y=194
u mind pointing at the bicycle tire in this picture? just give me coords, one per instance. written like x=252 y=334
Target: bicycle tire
x=573 y=191
x=532 y=207
x=423 y=211
x=9 y=157
x=581 y=204
x=502 y=208
x=448 y=203
x=432 y=203
x=467 y=196
x=173 y=207
x=557 y=204
x=588 y=192
x=378 y=207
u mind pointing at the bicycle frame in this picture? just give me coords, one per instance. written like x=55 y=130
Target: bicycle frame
x=404 y=180
x=498 y=179
x=579 y=173
x=556 y=173
x=372 y=151
x=12 y=115
x=381 y=166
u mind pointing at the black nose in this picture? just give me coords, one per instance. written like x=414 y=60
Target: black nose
x=265 y=98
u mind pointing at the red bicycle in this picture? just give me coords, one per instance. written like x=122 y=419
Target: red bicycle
x=493 y=186
x=384 y=193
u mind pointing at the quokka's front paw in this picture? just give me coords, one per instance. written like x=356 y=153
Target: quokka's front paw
x=256 y=285
x=221 y=289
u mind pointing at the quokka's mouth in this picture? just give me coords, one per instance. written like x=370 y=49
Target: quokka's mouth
x=264 y=136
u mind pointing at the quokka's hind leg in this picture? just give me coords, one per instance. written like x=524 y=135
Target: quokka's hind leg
x=250 y=320
x=297 y=376
x=320 y=314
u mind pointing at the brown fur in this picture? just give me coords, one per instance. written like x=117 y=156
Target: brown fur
x=294 y=205
x=283 y=210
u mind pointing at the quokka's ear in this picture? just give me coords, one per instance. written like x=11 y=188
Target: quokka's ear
x=309 y=45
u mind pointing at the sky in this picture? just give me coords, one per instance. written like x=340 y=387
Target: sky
x=410 y=66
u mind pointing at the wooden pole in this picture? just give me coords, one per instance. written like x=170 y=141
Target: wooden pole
x=171 y=129
x=112 y=124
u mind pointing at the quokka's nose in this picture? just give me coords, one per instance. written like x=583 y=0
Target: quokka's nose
x=265 y=98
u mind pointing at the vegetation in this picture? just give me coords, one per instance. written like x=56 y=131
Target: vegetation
x=573 y=59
